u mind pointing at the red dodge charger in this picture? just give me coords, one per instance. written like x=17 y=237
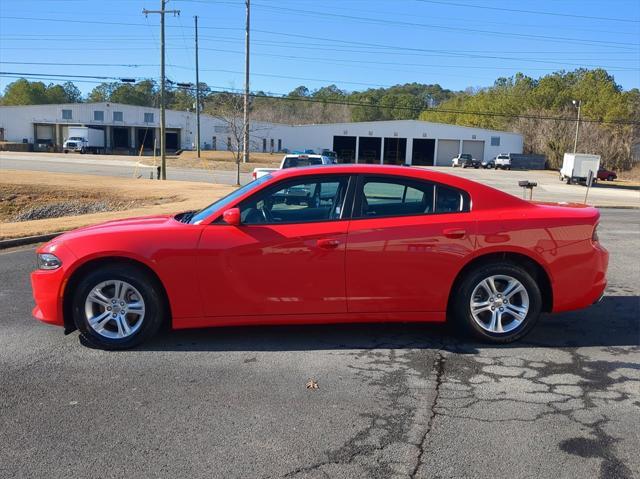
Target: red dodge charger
x=347 y=243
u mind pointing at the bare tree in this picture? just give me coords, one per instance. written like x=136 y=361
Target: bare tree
x=614 y=143
x=228 y=108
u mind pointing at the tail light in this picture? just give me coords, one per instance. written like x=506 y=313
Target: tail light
x=594 y=235
x=254 y=176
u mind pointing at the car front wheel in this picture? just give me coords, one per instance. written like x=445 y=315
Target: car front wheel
x=118 y=307
x=497 y=303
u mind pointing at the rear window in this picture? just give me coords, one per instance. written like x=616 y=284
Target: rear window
x=296 y=161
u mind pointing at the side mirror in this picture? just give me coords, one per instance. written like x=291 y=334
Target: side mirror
x=232 y=216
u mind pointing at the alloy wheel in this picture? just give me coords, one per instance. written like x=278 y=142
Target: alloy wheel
x=499 y=304
x=114 y=309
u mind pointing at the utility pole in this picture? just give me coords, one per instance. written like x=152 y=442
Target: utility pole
x=245 y=136
x=577 y=103
x=197 y=92
x=163 y=151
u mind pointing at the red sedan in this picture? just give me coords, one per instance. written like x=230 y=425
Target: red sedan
x=347 y=243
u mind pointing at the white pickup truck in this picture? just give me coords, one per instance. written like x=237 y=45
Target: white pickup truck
x=503 y=161
x=294 y=161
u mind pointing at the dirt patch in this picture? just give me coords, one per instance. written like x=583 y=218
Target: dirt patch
x=19 y=202
x=138 y=197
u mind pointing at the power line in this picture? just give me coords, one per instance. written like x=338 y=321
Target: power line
x=534 y=12
x=380 y=21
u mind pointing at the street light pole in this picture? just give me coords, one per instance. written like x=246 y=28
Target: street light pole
x=578 y=104
x=245 y=136
x=163 y=152
x=197 y=92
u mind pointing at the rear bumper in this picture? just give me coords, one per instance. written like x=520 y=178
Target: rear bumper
x=582 y=281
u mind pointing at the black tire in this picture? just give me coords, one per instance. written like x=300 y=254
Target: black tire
x=460 y=306
x=66 y=151
x=155 y=314
x=610 y=178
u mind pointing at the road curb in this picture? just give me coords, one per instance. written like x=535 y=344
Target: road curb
x=625 y=207
x=26 y=240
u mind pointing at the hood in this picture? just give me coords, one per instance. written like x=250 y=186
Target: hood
x=124 y=225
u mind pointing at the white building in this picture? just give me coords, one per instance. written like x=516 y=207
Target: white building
x=133 y=129
x=400 y=141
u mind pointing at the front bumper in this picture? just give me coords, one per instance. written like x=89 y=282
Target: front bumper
x=48 y=286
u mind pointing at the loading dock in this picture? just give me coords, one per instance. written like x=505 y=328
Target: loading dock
x=145 y=139
x=345 y=148
x=172 y=140
x=120 y=137
x=395 y=151
x=475 y=148
x=447 y=150
x=423 y=151
x=370 y=149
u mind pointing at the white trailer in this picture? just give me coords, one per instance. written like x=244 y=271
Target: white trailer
x=84 y=139
x=576 y=167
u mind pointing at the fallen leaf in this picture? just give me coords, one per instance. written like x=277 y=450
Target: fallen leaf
x=312 y=384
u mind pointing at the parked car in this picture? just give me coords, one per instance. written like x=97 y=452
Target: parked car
x=295 y=161
x=344 y=243
x=465 y=160
x=608 y=175
x=488 y=164
x=503 y=161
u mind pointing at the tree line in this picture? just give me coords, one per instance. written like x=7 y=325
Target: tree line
x=514 y=103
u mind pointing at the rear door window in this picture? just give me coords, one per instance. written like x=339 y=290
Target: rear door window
x=385 y=197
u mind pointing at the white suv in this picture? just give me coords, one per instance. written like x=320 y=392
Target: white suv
x=503 y=161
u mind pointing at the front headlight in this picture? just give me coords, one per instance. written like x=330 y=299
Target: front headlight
x=48 y=261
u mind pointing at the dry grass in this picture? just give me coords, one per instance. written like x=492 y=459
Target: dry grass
x=149 y=197
x=631 y=175
x=221 y=160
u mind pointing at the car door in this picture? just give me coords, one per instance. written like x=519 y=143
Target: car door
x=407 y=241
x=286 y=258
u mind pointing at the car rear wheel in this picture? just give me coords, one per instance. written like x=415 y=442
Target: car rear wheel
x=118 y=307
x=610 y=178
x=497 y=303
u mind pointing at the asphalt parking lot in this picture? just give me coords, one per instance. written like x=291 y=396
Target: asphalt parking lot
x=393 y=400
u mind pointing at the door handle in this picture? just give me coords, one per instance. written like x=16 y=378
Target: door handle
x=328 y=243
x=454 y=233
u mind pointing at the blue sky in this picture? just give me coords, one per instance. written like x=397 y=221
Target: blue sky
x=356 y=44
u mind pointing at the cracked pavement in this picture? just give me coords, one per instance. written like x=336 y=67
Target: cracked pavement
x=394 y=401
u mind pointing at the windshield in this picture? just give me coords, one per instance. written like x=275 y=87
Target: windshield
x=226 y=200
x=76 y=138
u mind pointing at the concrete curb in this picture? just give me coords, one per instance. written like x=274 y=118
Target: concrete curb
x=26 y=240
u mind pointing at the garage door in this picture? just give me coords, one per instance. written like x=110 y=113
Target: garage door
x=475 y=148
x=44 y=132
x=447 y=150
